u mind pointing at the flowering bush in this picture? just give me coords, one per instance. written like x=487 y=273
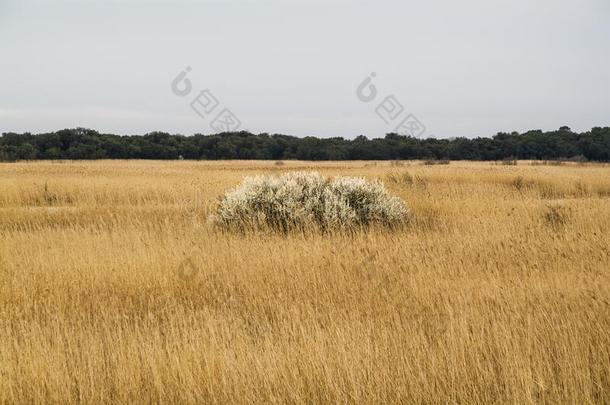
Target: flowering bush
x=300 y=200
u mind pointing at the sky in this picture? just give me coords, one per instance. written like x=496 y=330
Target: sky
x=300 y=67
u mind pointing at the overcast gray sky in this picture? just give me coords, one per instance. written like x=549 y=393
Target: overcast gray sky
x=467 y=68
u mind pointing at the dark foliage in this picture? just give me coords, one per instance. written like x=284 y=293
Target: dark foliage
x=83 y=143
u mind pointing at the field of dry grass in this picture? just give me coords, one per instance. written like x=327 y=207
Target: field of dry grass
x=114 y=288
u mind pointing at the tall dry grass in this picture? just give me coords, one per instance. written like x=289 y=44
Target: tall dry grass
x=113 y=288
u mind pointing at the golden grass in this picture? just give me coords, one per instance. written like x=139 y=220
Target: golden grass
x=113 y=288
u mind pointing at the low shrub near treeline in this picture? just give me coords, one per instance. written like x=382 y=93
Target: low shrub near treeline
x=303 y=200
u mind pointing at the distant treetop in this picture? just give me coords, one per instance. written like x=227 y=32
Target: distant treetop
x=82 y=143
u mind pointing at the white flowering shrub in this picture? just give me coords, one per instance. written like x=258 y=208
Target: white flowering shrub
x=301 y=200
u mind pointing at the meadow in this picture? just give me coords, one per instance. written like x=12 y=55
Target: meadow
x=114 y=287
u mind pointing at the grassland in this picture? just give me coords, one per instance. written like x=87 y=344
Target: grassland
x=114 y=288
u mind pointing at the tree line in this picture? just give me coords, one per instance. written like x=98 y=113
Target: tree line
x=81 y=143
